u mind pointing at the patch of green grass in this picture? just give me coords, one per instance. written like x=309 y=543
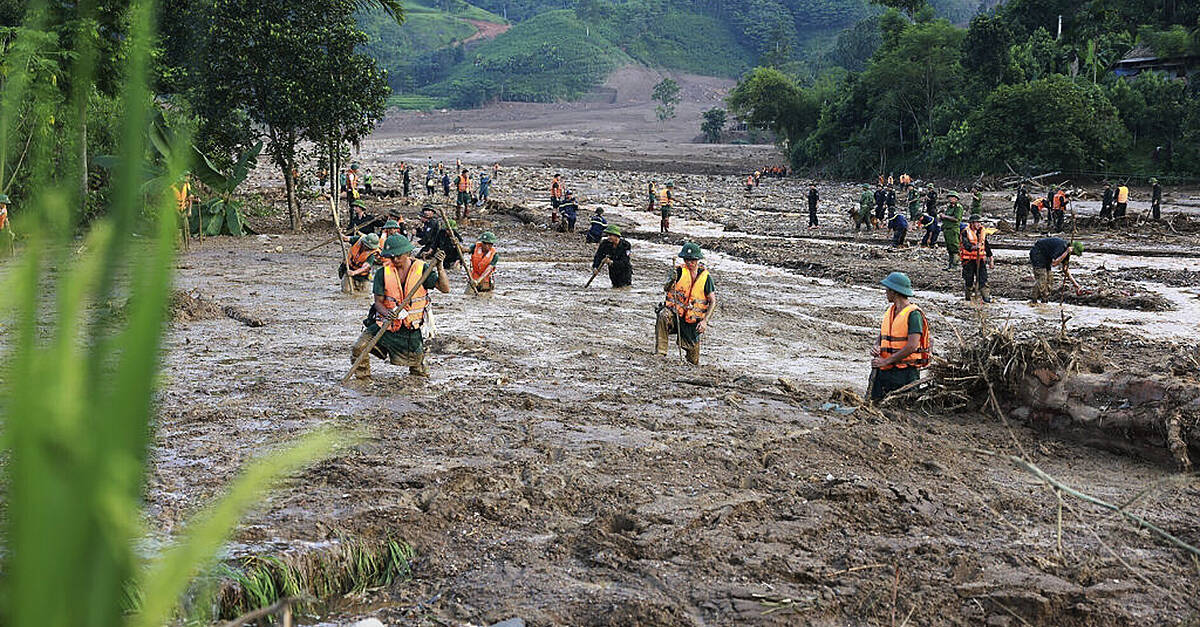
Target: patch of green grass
x=544 y=59
x=323 y=575
x=415 y=102
x=688 y=42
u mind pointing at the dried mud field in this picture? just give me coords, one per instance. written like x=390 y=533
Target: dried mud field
x=554 y=469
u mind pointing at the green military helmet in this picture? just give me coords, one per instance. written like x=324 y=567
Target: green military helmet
x=487 y=237
x=4 y=199
x=353 y=166
x=898 y=282
x=691 y=250
x=371 y=240
x=975 y=217
x=1076 y=248
x=391 y=224
x=452 y=224
x=396 y=245
x=1153 y=181
x=612 y=229
x=952 y=195
x=670 y=183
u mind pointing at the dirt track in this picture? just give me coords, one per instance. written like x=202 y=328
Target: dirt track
x=553 y=468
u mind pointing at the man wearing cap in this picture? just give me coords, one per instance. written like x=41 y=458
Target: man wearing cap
x=483 y=262
x=903 y=345
x=390 y=229
x=951 y=218
x=615 y=249
x=596 y=227
x=1021 y=206
x=363 y=258
x=931 y=200
x=569 y=210
x=360 y=220
x=445 y=240
x=1047 y=253
x=401 y=276
x=976 y=254
x=866 y=201
x=1155 y=199
x=666 y=201
x=690 y=300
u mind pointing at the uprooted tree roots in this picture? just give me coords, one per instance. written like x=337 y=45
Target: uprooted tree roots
x=1057 y=382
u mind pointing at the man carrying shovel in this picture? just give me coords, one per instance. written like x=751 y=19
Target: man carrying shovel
x=689 y=303
x=902 y=347
x=613 y=250
x=401 y=289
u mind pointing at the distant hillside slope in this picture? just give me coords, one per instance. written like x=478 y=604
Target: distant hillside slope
x=559 y=49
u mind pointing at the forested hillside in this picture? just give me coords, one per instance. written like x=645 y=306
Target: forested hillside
x=1004 y=92
x=426 y=56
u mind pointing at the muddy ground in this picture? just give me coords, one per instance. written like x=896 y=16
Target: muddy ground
x=554 y=469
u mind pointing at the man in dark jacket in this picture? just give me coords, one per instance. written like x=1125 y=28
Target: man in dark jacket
x=1021 y=205
x=595 y=231
x=1155 y=199
x=614 y=250
x=812 y=206
x=880 y=201
x=1106 y=201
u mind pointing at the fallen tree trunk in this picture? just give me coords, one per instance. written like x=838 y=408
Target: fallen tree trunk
x=1056 y=384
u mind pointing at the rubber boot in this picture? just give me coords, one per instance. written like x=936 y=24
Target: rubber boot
x=969 y=293
x=364 y=369
x=949 y=261
x=662 y=332
x=692 y=352
x=986 y=294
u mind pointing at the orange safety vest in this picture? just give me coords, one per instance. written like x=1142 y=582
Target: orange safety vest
x=351 y=179
x=1040 y=203
x=1122 y=194
x=481 y=261
x=664 y=197
x=978 y=241
x=687 y=297
x=893 y=336
x=3 y=218
x=1060 y=200
x=555 y=189
x=360 y=254
x=393 y=295
x=464 y=183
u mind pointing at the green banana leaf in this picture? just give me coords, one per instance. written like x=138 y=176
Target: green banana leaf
x=233 y=219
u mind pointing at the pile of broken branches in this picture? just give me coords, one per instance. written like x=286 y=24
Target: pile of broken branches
x=976 y=372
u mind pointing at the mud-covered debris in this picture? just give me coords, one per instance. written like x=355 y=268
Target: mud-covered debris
x=1057 y=382
x=193 y=306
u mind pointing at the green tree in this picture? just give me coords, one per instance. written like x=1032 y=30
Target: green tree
x=908 y=7
x=985 y=49
x=272 y=69
x=1049 y=123
x=713 y=125
x=666 y=93
x=769 y=99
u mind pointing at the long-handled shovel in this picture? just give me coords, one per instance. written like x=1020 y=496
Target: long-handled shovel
x=387 y=322
x=458 y=243
x=594 y=273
